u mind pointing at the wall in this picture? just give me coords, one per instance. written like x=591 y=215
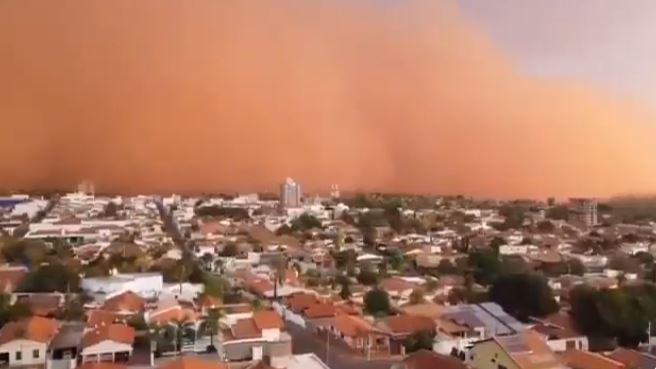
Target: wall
x=106 y=346
x=271 y=334
x=482 y=354
x=581 y=343
x=26 y=347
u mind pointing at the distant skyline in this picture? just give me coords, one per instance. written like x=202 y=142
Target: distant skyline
x=608 y=43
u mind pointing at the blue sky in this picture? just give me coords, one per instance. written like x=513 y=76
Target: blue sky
x=609 y=43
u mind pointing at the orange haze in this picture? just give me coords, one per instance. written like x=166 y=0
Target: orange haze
x=207 y=95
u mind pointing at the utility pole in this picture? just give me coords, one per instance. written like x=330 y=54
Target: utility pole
x=328 y=348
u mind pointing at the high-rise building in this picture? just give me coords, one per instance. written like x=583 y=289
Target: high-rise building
x=334 y=191
x=86 y=187
x=290 y=194
x=583 y=212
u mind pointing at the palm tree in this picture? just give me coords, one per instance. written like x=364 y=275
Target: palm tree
x=180 y=325
x=280 y=273
x=155 y=334
x=211 y=321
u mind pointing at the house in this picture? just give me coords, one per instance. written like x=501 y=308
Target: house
x=424 y=359
x=460 y=326
x=579 y=359
x=360 y=335
x=26 y=342
x=302 y=361
x=107 y=343
x=102 y=365
x=192 y=362
x=401 y=327
x=146 y=285
x=633 y=359
x=41 y=304
x=125 y=303
x=560 y=333
x=63 y=349
x=253 y=338
x=398 y=288
x=524 y=350
x=170 y=312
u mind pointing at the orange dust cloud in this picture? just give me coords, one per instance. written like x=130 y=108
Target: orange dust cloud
x=386 y=95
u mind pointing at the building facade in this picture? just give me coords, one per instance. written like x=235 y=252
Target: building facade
x=290 y=194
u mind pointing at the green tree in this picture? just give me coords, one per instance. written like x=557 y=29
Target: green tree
x=229 y=250
x=560 y=212
x=305 y=222
x=377 y=302
x=367 y=277
x=523 y=295
x=546 y=227
x=496 y=243
x=446 y=267
x=422 y=340
x=211 y=323
x=486 y=266
x=51 y=278
x=345 y=291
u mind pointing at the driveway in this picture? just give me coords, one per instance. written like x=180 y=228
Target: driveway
x=339 y=355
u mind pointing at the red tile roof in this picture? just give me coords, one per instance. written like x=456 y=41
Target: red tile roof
x=245 y=328
x=408 y=324
x=126 y=301
x=268 y=319
x=102 y=365
x=35 y=329
x=577 y=359
x=320 y=311
x=191 y=362
x=425 y=359
x=114 y=332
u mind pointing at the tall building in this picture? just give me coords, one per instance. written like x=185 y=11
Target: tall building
x=86 y=187
x=583 y=212
x=290 y=194
x=334 y=191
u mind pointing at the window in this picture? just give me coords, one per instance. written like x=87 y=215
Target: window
x=19 y=356
x=35 y=354
x=570 y=344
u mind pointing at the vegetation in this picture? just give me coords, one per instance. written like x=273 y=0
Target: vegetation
x=622 y=314
x=377 y=302
x=422 y=340
x=237 y=214
x=51 y=278
x=523 y=295
x=305 y=222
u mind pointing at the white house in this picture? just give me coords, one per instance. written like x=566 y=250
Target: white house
x=146 y=285
x=107 y=343
x=26 y=342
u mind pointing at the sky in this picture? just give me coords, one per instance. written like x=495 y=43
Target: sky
x=604 y=42
x=486 y=98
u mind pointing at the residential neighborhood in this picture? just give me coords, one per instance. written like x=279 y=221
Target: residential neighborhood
x=305 y=281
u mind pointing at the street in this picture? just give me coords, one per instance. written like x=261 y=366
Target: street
x=339 y=357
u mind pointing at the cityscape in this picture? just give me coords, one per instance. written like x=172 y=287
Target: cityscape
x=297 y=280
x=327 y=184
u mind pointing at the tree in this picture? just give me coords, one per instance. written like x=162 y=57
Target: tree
x=625 y=264
x=305 y=222
x=50 y=278
x=546 y=227
x=446 y=267
x=181 y=326
x=422 y=340
x=211 y=323
x=417 y=297
x=486 y=266
x=496 y=243
x=560 y=212
x=229 y=250
x=523 y=295
x=397 y=261
x=376 y=302
x=345 y=291
x=367 y=277
x=111 y=210
x=26 y=252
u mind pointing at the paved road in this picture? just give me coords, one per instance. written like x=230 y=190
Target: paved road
x=340 y=357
